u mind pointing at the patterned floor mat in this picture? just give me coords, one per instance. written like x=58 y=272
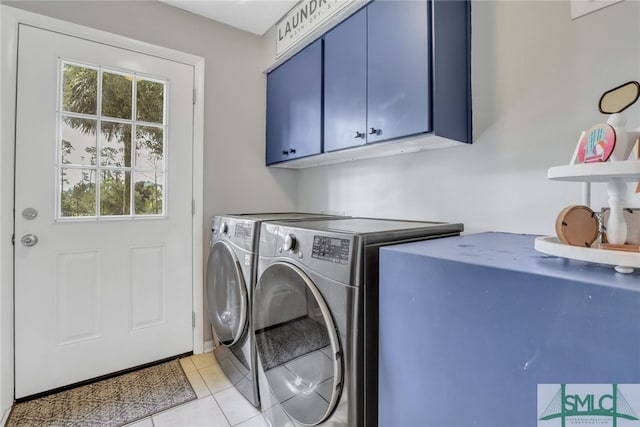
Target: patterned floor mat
x=112 y=402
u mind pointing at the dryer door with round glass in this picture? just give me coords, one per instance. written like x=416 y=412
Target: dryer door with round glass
x=297 y=343
x=226 y=295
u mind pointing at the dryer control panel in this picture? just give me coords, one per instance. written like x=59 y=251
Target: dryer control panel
x=332 y=249
x=326 y=253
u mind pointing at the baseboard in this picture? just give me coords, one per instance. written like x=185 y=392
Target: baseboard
x=5 y=415
x=208 y=346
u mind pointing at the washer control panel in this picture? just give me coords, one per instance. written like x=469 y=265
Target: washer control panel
x=243 y=231
x=240 y=233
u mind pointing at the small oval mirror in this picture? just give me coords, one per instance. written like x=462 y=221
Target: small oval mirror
x=620 y=98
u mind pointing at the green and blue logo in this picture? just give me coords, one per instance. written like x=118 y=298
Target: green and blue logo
x=586 y=404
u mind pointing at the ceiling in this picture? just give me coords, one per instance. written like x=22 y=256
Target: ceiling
x=255 y=16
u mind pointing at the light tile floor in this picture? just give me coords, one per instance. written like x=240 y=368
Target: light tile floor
x=218 y=403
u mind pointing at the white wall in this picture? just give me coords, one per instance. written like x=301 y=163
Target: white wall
x=537 y=79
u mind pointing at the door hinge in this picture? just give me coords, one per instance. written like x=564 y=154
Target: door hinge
x=194 y=96
x=193 y=207
x=13 y=239
x=193 y=319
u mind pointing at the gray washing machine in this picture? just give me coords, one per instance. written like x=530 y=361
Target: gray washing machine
x=315 y=317
x=231 y=275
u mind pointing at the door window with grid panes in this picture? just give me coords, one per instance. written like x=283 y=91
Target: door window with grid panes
x=111 y=143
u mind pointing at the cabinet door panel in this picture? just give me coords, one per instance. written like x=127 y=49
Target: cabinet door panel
x=345 y=84
x=294 y=106
x=398 y=58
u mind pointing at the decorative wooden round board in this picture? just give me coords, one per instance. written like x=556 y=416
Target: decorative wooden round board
x=577 y=225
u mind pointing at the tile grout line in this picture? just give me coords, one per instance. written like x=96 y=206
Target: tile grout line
x=220 y=407
x=213 y=395
x=209 y=392
x=204 y=382
x=219 y=391
x=207 y=385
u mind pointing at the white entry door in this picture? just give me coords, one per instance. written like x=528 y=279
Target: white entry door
x=103 y=211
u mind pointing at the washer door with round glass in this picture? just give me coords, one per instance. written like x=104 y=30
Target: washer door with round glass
x=226 y=295
x=297 y=344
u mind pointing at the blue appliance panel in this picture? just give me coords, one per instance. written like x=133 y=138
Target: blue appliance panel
x=398 y=64
x=470 y=325
x=345 y=84
x=294 y=106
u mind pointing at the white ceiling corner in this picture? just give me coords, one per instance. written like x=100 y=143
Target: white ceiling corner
x=254 y=16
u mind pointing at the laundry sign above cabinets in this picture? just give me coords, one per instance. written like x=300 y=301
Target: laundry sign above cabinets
x=393 y=77
x=305 y=17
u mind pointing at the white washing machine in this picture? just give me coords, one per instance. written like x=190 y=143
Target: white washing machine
x=315 y=317
x=231 y=275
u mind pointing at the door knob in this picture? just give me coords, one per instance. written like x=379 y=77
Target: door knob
x=292 y=150
x=359 y=135
x=374 y=131
x=29 y=213
x=29 y=240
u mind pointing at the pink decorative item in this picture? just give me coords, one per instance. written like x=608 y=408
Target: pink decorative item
x=597 y=144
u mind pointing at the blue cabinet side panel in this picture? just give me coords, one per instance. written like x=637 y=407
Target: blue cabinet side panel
x=452 y=69
x=398 y=65
x=466 y=344
x=345 y=83
x=277 y=126
x=294 y=106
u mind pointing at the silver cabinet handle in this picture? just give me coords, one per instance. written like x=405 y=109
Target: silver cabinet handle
x=29 y=240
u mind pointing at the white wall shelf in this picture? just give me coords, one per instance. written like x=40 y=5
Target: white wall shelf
x=626 y=171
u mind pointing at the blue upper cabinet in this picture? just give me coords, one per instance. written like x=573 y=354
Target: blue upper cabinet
x=376 y=66
x=398 y=60
x=294 y=106
x=392 y=70
x=345 y=84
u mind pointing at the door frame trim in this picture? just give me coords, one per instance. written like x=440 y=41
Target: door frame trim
x=10 y=18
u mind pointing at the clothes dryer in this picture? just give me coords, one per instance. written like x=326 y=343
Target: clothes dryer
x=231 y=275
x=315 y=317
